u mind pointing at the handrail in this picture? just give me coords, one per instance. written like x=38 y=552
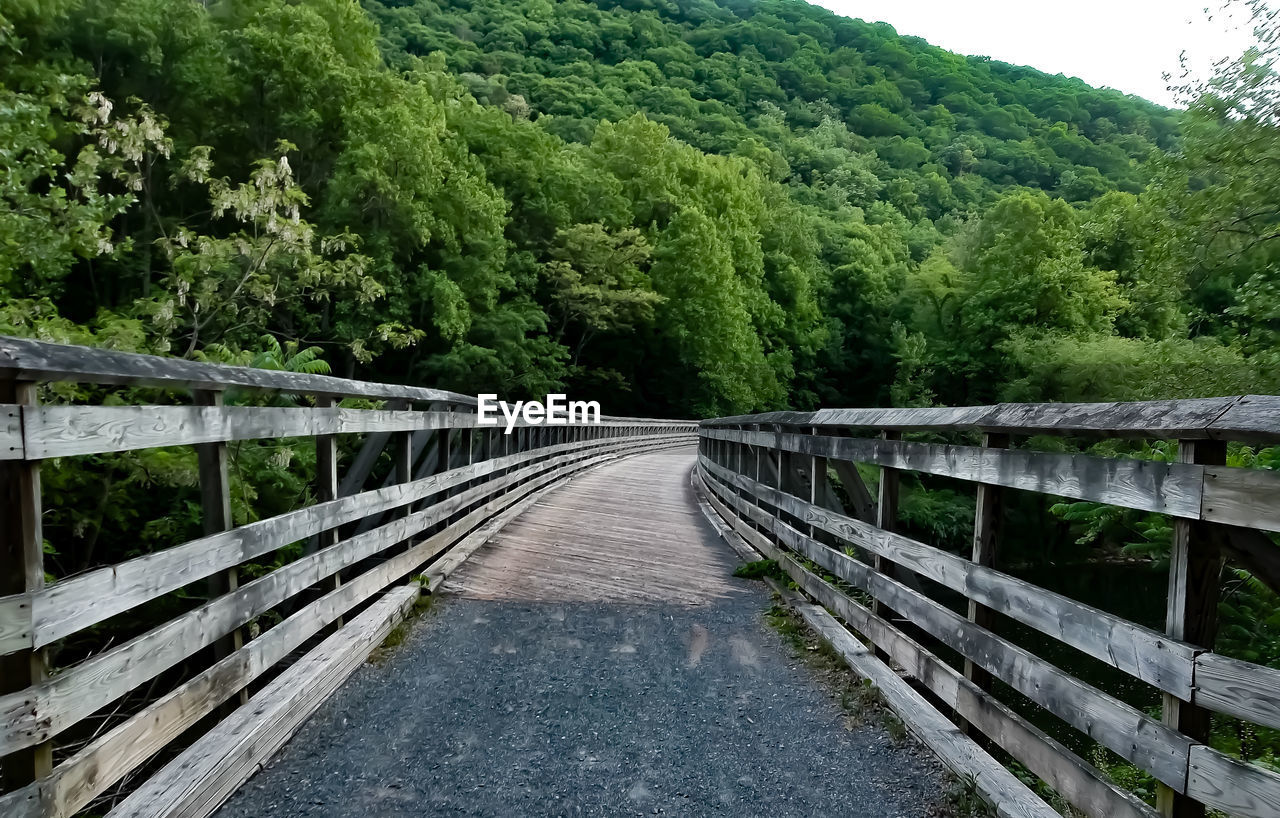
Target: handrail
x=1249 y=418
x=25 y=359
x=768 y=476
x=107 y=713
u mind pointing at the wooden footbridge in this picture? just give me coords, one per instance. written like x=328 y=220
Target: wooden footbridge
x=251 y=627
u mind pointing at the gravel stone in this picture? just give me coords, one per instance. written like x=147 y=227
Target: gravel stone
x=498 y=708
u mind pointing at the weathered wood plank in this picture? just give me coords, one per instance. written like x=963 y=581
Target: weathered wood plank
x=738 y=522
x=639 y=549
x=1241 y=497
x=16 y=631
x=11 y=432
x=215 y=506
x=79 y=602
x=33 y=715
x=995 y=784
x=110 y=757
x=1232 y=786
x=1247 y=418
x=41 y=361
x=22 y=573
x=987 y=523
x=1083 y=785
x=66 y=431
x=97 y=766
x=1252 y=418
x=1128 y=732
x=362 y=464
x=1191 y=615
x=886 y=516
x=1167 y=488
x=195 y=783
x=1241 y=689
x=1144 y=653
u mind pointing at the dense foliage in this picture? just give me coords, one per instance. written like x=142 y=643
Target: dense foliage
x=680 y=208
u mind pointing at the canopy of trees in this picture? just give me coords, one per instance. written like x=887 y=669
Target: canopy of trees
x=678 y=208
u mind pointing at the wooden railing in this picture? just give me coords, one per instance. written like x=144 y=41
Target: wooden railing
x=767 y=475
x=69 y=734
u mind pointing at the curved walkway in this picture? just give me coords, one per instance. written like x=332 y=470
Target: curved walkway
x=596 y=658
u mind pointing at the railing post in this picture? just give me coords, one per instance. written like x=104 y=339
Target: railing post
x=215 y=504
x=403 y=455
x=886 y=520
x=22 y=546
x=758 y=450
x=743 y=451
x=444 y=451
x=817 y=481
x=986 y=548
x=1191 y=614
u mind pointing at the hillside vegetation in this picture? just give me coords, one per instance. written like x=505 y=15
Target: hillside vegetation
x=679 y=208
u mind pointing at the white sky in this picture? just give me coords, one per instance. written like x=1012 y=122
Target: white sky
x=1123 y=44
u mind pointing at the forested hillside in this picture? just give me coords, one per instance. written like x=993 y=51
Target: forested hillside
x=679 y=208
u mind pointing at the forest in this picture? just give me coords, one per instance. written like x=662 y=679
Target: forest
x=679 y=208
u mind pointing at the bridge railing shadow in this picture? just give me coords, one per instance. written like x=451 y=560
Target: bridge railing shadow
x=187 y=665
x=944 y=618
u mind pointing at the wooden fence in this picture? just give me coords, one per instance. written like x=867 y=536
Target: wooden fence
x=767 y=475
x=70 y=734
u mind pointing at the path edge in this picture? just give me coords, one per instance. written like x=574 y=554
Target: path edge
x=995 y=784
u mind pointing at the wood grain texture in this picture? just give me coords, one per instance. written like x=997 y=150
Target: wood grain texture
x=1167 y=488
x=22 y=571
x=1250 y=418
x=97 y=766
x=1241 y=689
x=33 y=715
x=11 y=447
x=1253 y=418
x=1125 y=730
x=79 y=602
x=195 y=783
x=1084 y=786
x=1000 y=788
x=1241 y=497
x=16 y=631
x=1143 y=653
x=67 y=431
x=629 y=532
x=42 y=361
x=1232 y=786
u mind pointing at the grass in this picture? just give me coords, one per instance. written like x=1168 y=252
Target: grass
x=858 y=697
x=400 y=632
x=964 y=800
x=759 y=570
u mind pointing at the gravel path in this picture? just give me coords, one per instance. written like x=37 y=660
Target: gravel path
x=509 y=707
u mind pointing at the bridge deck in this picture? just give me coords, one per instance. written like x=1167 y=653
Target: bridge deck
x=631 y=533
x=597 y=658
